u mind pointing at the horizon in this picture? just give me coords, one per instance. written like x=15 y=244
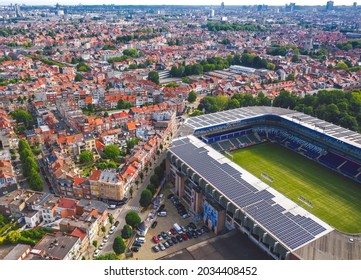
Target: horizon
x=213 y=3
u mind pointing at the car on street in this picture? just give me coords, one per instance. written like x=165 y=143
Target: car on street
x=116 y=223
x=101 y=246
x=96 y=253
x=154 y=224
x=106 y=238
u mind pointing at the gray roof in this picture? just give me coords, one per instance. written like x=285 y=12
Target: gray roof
x=289 y=223
x=88 y=205
x=191 y=125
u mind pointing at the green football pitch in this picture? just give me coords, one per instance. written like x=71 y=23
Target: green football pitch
x=332 y=197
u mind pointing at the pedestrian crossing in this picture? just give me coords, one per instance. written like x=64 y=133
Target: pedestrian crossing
x=135 y=208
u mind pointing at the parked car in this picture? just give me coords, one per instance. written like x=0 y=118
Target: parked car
x=184 y=236
x=155 y=239
x=111 y=231
x=106 y=238
x=101 y=246
x=135 y=249
x=156 y=248
x=161 y=208
x=169 y=196
x=164 y=235
x=170 y=242
x=161 y=246
x=174 y=240
x=160 y=237
x=166 y=244
x=206 y=229
x=140 y=239
x=162 y=214
x=192 y=225
x=154 y=224
x=96 y=253
x=116 y=223
x=189 y=234
x=137 y=244
x=173 y=231
x=179 y=238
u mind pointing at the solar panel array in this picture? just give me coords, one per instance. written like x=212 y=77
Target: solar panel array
x=291 y=230
x=239 y=114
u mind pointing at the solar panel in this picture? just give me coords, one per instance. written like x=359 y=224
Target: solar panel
x=291 y=230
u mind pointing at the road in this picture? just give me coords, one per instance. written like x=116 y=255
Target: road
x=133 y=204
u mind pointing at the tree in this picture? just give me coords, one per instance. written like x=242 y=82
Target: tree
x=131 y=191
x=153 y=76
x=111 y=152
x=24 y=117
x=290 y=77
x=35 y=181
x=86 y=156
x=28 y=165
x=145 y=198
x=233 y=104
x=90 y=107
x=127 y=232
x=154 y=179
x=106 y=114
x=186 y=80
x=95 y=243
x=123 y=105
x=109 y=256
x=103 y=229
x=132 y=218
x=341 y=66
x=79 y=77
x=141 y=175
x=111 y=219
x=192 y=96
x=295 y=58
x=119 y=245
x=13 y=236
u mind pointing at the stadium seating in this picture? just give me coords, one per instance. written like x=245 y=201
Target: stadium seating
x=332 y=160
x=350 y=168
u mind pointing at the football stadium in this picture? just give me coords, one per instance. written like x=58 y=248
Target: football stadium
x=289 y=181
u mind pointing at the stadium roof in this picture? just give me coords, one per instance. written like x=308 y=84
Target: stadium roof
x=289 y=223
x=191 y=125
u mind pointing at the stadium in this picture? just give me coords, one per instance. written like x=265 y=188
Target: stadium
x=289 y=181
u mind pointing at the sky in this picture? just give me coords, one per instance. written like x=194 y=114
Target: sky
x=176 y=2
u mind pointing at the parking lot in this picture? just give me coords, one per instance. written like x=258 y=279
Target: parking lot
x=146 y=252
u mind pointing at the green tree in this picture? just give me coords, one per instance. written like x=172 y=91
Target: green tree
x=24 y=117
x=131 y=191
x=29 y=165
x=127 y=232
x=103 y=229
x=341 y=66
x=186 y=80
x=35 y=181
x=119 y=245
x=233 y=104
x=79 y=77
x=154 y=179
x=145 y=198
x=111 y=219
x=153 y=76
x=141 y=175
x=290 y=77
x=13 y=236
x=132 y=218
x=109 y=256
x=111 y=152
x=192 y=96
x=86 y=156
x=95 y=243
x=106 y=114
x=123 y=105
x=295 y=58
x=90 y=107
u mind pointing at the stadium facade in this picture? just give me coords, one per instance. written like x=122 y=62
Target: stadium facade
x=225 y=195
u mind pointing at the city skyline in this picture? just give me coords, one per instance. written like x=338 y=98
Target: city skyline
x=186 y=2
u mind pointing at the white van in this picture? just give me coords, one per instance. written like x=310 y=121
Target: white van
x=113 y=206
x=140 y=239
x=177 y=228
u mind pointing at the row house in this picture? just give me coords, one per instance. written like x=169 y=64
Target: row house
x=106 y=185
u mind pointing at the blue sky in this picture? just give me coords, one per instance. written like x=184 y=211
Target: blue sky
x=175 y=2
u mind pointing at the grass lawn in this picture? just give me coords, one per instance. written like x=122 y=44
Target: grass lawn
x=335 y=199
